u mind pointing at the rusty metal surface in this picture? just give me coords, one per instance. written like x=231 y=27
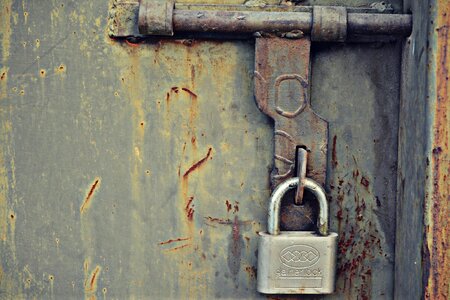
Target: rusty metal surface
x=437 y=201
x=141 y=170
x=423 y=190
x=362 y=159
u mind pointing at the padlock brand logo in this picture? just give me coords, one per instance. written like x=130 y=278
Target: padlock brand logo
x=299 y=256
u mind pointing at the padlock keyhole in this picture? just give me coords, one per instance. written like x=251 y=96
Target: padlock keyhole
x=299 y=217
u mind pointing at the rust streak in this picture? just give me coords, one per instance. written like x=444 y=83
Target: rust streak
x=437 y=252
x=228 y=204
x=94 y=277
x=93 y=280
x=198 y=163
x=365 y=182
x=189 y=92
x=236 y=207
x=174 y=240
x=190 y=209
x=177 y=248
x=87 y=200
x=334 y=161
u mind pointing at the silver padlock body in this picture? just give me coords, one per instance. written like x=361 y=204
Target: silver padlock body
x=296 y=262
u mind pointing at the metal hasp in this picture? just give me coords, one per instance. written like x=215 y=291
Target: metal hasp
x=281 y=92
x=324 y=23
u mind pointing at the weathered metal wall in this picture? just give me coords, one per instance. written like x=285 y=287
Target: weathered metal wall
x=142 y=170
x=422 y=246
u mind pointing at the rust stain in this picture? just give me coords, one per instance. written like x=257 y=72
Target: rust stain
x=178 y=248
x=131 y=43
x=437 y=245
x=228 y=204
x=236 y=207
x=93 y=280
x=174 y=240
x=190 y=208
x=61 y=69
x=167 y=98
x=359 y=240
x=198 y=164
x=87 y=200
x=235 y=249
x=365 y=182
x=251 y=271
x=191 y=93
x=334 y=161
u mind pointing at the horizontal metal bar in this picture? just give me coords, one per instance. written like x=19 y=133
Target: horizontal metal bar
x=280 y=8
x=131 y=19
x=236 y=22
x=247 y=22
x=375 y=24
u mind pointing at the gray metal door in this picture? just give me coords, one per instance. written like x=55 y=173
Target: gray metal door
x=141 y=169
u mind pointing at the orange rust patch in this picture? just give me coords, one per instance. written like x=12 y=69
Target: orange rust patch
x=88 y=198
x=198 y=164
x=3 y=76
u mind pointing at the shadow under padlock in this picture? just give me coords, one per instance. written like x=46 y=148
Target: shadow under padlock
x=299 y=217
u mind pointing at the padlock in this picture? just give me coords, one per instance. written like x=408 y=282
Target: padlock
x=297 y=262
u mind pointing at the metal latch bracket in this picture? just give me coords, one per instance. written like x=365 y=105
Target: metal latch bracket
x=323 y=23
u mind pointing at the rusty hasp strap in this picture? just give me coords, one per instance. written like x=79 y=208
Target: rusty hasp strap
x=324 y=23
x=281 y=92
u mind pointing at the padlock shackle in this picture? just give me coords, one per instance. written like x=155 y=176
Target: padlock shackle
x=273 y=225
